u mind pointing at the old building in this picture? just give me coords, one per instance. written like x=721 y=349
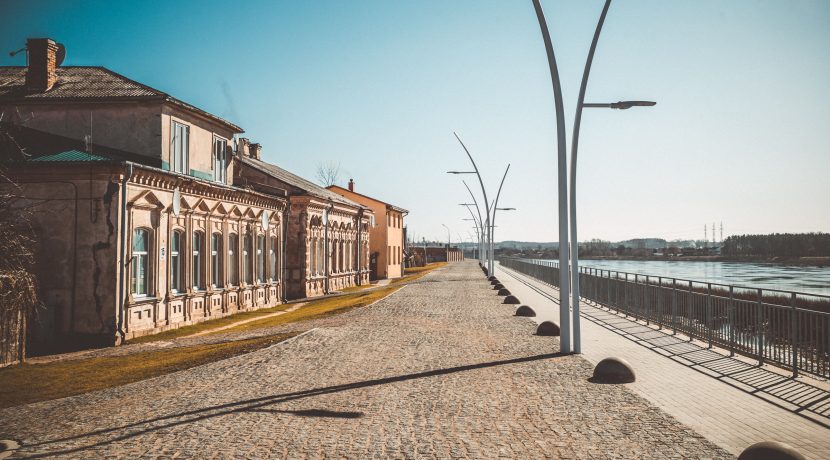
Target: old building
x=329 y=236
x=386 y=234
x=140 y=225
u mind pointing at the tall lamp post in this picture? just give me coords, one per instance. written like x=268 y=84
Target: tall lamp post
x=481 y=225
x=562 y=188
x=495 y=205
x=483 y=192
x=580 y=104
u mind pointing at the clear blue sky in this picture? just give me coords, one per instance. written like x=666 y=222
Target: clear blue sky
x=741 y=132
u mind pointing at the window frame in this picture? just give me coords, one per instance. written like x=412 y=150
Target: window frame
x=137 y=256
x=176 y=266
x=197 y=251
x=216 y=265
x=233 y=259
x=180 y=163
x=220 y=159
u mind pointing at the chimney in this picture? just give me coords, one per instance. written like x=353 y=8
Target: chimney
x=351 y=185
x=242 y=148
x=256 y=150
x=41 y=75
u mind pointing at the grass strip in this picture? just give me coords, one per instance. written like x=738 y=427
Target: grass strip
x=28 y=383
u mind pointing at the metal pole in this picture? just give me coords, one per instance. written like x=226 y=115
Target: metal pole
x=564 y=307
x=496 y=208
x=574 y=148
x=483 y=192
x=480 y=223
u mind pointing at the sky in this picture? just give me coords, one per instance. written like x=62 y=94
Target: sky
x=740 y=133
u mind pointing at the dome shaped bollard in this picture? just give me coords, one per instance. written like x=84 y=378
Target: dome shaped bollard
x=494 y=282
x=511 y=300
x=498 y=286
x=548 y=328
x=503 y=292
x=526 y=311
x=491 y=278
x=770 y=450
x=613 y=370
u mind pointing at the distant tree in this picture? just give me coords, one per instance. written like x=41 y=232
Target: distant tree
x=328 y=173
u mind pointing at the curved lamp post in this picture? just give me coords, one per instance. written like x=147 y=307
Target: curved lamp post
x=580 y=104
x=481 y=224
x=495 y=207
x=564 y=308
x=483 y=192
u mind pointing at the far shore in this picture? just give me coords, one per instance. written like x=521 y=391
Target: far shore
x=807 y=261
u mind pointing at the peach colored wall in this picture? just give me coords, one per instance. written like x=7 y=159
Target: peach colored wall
x=202 y=133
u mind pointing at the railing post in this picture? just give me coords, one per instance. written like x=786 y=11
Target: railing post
x=689 y=311
x=709 y=319
x=674 y=306
x=646 y=303
x=657 y=302
x=731 y=320
x=759 y=327
x=794 y=334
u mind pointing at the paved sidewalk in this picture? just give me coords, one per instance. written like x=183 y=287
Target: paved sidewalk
x=730 y=401
x=439 y=369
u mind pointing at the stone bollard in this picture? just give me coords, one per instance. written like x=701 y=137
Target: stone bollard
x=511 y=300
x=548 y=328
x=503 y=292
x=491 y=278
x=524 y=310
x=498 y=286
x=770 y=450
x=494 y=281
x=613 y=370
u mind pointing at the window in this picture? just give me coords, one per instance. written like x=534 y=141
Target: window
x=321 y=254
x=260 y=259
x=216 y=259
x=181 y=144
x=233 y=261
x=220 y=160
x=246 y=259
x=141 y=261
x=272 y=258
x=198 y=242
x=176 y=262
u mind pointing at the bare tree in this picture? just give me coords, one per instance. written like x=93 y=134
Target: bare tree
x=328 y=173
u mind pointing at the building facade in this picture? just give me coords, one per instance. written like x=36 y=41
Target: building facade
x=139 y=224
x=329 y=236
x=386 y=259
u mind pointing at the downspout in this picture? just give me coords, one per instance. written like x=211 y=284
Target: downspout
x=326 y=243
x=122 y=282
x=286 y=215
x=403 y=243
x=359 y=246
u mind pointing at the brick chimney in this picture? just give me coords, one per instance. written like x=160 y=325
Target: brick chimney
x=242 y=147
x=256 y=151
x=351 y=185
x=41 y=74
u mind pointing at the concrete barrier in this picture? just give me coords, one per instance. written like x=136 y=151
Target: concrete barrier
x=613 y=370
x=548 y=328
x=770 y=450
x=526 y=311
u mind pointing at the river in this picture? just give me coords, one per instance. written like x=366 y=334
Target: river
x=809 y=279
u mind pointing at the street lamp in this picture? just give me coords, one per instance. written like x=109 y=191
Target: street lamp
x=562 y=185
x=483 y=192
x=580 y=104
x=449 y=242
x=478 y=236
x=495 y=205
x=481 y=224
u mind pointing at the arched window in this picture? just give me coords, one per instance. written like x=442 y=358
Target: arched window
x=216 y=260
x=198 y=247
x=321 y=254
x=176 y=262
x=312 y=256
x=247 y=259
x=260 y=259
x=272 y=258
x=233 y=261
x=141 y=262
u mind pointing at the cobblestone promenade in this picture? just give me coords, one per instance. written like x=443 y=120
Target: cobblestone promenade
x=440 y=369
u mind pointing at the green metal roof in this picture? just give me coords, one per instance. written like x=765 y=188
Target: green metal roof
x=72 y=156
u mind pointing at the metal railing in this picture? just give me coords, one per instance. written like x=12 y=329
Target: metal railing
x=769 y=325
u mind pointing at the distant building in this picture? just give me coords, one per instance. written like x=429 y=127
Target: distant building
x=386 y=242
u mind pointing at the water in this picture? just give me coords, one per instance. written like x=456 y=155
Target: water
x=814 y=280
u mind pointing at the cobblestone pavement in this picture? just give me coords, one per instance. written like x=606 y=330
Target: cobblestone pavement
x=439 y=369
x=730 y=401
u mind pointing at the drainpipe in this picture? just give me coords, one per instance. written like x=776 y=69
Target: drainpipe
x=122 y=282
x=286 y=215
x=326 y=244
x=358 y=246
x=403 y=243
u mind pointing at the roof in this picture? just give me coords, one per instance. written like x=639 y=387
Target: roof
x=71 y=156
x=41 y=146
x=89 y=84
x=296 y=181
x=390 y=206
